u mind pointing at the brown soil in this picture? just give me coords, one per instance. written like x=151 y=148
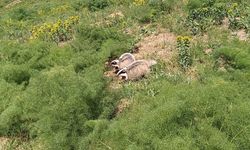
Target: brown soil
x=3 y=143
x=160 y=46
x=117 y=14
x=192 y=74
x=241 y=34
x=208 y=51
x=225 y=23
x=13 y=3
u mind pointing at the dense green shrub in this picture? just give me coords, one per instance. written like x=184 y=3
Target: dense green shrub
x=190 y=117
x=22 y=14
x=94 y=5
x=143 y=14
x=235 y=55
x=162 y=5
x=96 y=36
x=38 y=72
x=16 y=74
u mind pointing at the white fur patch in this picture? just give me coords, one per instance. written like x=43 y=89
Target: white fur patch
x=124 y=75
x=114 y=62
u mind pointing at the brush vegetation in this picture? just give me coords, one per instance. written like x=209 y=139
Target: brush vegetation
x=54 y=94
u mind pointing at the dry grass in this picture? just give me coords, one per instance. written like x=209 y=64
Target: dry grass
x=3 y=142
x=13 y=3
x=160 y=46
x=241 y=34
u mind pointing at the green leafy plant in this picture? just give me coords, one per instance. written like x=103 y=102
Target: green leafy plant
x=235 y=16
x=200 y=19
x=183 y=46
x=211 y=13
x=162 y=5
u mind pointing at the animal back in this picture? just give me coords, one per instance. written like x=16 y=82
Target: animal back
x=138 y=72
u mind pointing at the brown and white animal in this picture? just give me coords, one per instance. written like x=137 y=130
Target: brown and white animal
x=123 y=61
x=136 y=70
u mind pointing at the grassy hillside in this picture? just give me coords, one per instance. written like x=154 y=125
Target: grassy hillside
x=56 y=91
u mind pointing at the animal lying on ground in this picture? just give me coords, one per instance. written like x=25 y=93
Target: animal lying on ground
x=136 y=70
x=123 y=61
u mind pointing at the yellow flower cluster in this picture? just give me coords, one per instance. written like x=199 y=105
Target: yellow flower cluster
x=183 y=38
x=54 y=30
x=139 y=2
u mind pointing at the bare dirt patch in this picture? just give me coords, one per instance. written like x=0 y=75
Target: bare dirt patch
x=241 y=34
x=225 y=23
x=116 y=14
x=208 y=51
x=13 y=3
x=157 y=46
x=3 y=142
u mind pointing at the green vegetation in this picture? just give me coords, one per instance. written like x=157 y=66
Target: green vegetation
x=54 y=94
x=183 y=45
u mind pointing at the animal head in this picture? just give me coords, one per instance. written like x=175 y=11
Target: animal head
x=114 y=63
x=123 y=76
x=124 y=70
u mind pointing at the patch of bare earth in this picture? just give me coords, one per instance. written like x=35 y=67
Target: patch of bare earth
x=208 y=51
x=13 y=3
x=241 y=34
x=3 y=142
x=116 y=14
x=156 y=46
x=225 y=23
